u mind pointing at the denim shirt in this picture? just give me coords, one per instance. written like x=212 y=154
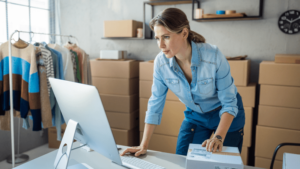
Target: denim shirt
x=212 y=85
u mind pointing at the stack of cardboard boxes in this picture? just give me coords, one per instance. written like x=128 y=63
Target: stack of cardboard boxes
x=117 y=82
x=279 y=112
x=165 y=135
x=240 y=71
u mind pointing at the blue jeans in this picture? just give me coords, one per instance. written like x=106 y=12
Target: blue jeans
x=197 y=127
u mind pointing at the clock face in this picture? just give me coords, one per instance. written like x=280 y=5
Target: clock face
x=289 y=22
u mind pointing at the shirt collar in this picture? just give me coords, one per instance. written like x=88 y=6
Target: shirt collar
x=195 y=57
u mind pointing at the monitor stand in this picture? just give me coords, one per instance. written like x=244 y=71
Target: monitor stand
x=62 y=158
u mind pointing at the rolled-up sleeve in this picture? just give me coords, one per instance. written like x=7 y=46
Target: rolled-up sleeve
x=226 y=89
x=157 y=100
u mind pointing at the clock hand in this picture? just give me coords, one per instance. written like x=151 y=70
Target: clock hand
x=288 y=20
x=295 y=20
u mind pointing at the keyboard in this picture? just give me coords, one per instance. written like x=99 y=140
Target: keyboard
x=136 y=163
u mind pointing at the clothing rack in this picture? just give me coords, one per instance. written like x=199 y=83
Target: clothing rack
x=11 y=91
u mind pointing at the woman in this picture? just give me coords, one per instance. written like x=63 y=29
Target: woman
x=199 y=74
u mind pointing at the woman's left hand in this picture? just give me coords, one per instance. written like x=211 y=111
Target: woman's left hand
x=213 y=144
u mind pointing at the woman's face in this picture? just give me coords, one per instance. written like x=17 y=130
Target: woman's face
x=169 y=43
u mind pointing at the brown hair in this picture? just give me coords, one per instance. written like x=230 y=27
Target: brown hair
x=174 y=20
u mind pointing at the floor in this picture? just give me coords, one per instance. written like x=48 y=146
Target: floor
x=34 y=153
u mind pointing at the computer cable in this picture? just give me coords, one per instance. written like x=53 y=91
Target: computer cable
x=66 y=154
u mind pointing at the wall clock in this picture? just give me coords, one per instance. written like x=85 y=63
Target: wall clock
x=289 y=22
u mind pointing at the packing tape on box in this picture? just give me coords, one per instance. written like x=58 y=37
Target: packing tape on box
x=114 y=59
x=226 y=153
x=220 y=153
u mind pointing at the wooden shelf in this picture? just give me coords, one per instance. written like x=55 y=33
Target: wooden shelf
x=198 y=2
x=156 y=3
x=125 y=38
x=227 y=19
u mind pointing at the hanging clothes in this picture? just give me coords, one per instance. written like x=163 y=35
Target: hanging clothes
x=57 y=119
x=83 y=59
x=44 y=94
x=78 y=75
x=32 y=92
x=88 y=69
x=68 y=71
x=48 y=62
x=73 y=58
x=26 y=88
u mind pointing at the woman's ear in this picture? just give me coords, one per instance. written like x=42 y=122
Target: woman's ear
x=185 y=33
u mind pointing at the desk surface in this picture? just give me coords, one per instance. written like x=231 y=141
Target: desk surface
x=97 y=161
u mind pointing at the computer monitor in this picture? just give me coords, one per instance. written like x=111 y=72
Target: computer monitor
x=82 y=103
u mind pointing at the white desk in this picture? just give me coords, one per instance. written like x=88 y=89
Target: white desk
x=97 y=161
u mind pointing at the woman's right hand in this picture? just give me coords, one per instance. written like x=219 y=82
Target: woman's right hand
x=139 y=150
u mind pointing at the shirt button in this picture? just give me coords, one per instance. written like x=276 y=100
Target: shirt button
x=192 y=130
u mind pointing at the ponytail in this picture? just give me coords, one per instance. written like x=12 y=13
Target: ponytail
x=195 y=37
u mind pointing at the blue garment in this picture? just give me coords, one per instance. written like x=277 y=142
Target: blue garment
x=196 y=128
x=57 y=119
x=60 y=63
x=212 y=85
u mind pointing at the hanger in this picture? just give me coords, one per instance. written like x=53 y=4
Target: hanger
x=20 y=43
x=70 y=40
x=32 y=42
x=50 y=44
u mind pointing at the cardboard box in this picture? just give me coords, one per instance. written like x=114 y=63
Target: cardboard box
x=145 y=91
x=268 y=138
x=162 y=143
x=146 y=70
x=247 y=141
x=248 y=94
x=280 y=96
x=291 y=161
x=240 y=71
x=199 y=158
x=113 y=54
x=273 y=117
x=171 y=119
x=52 y=136
x=266 y=163
x=115 y=69
x=121 y=28
x=285 y=58
x=124 y=121
x=245 y=154
x=116 y=86
x=126 y=137
x=118 y=103
x=271 y=73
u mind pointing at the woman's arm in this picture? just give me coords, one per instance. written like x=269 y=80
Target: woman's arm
x=154 y=111
x=225 y=123
x=227 y=92
x=214 y=143
x=142 y=149
x=148 y=131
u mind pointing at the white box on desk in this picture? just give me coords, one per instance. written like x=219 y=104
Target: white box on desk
x=113 y=54
x=199 y=158
x=290 y=161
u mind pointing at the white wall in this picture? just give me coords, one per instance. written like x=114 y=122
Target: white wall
x=259 y=39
